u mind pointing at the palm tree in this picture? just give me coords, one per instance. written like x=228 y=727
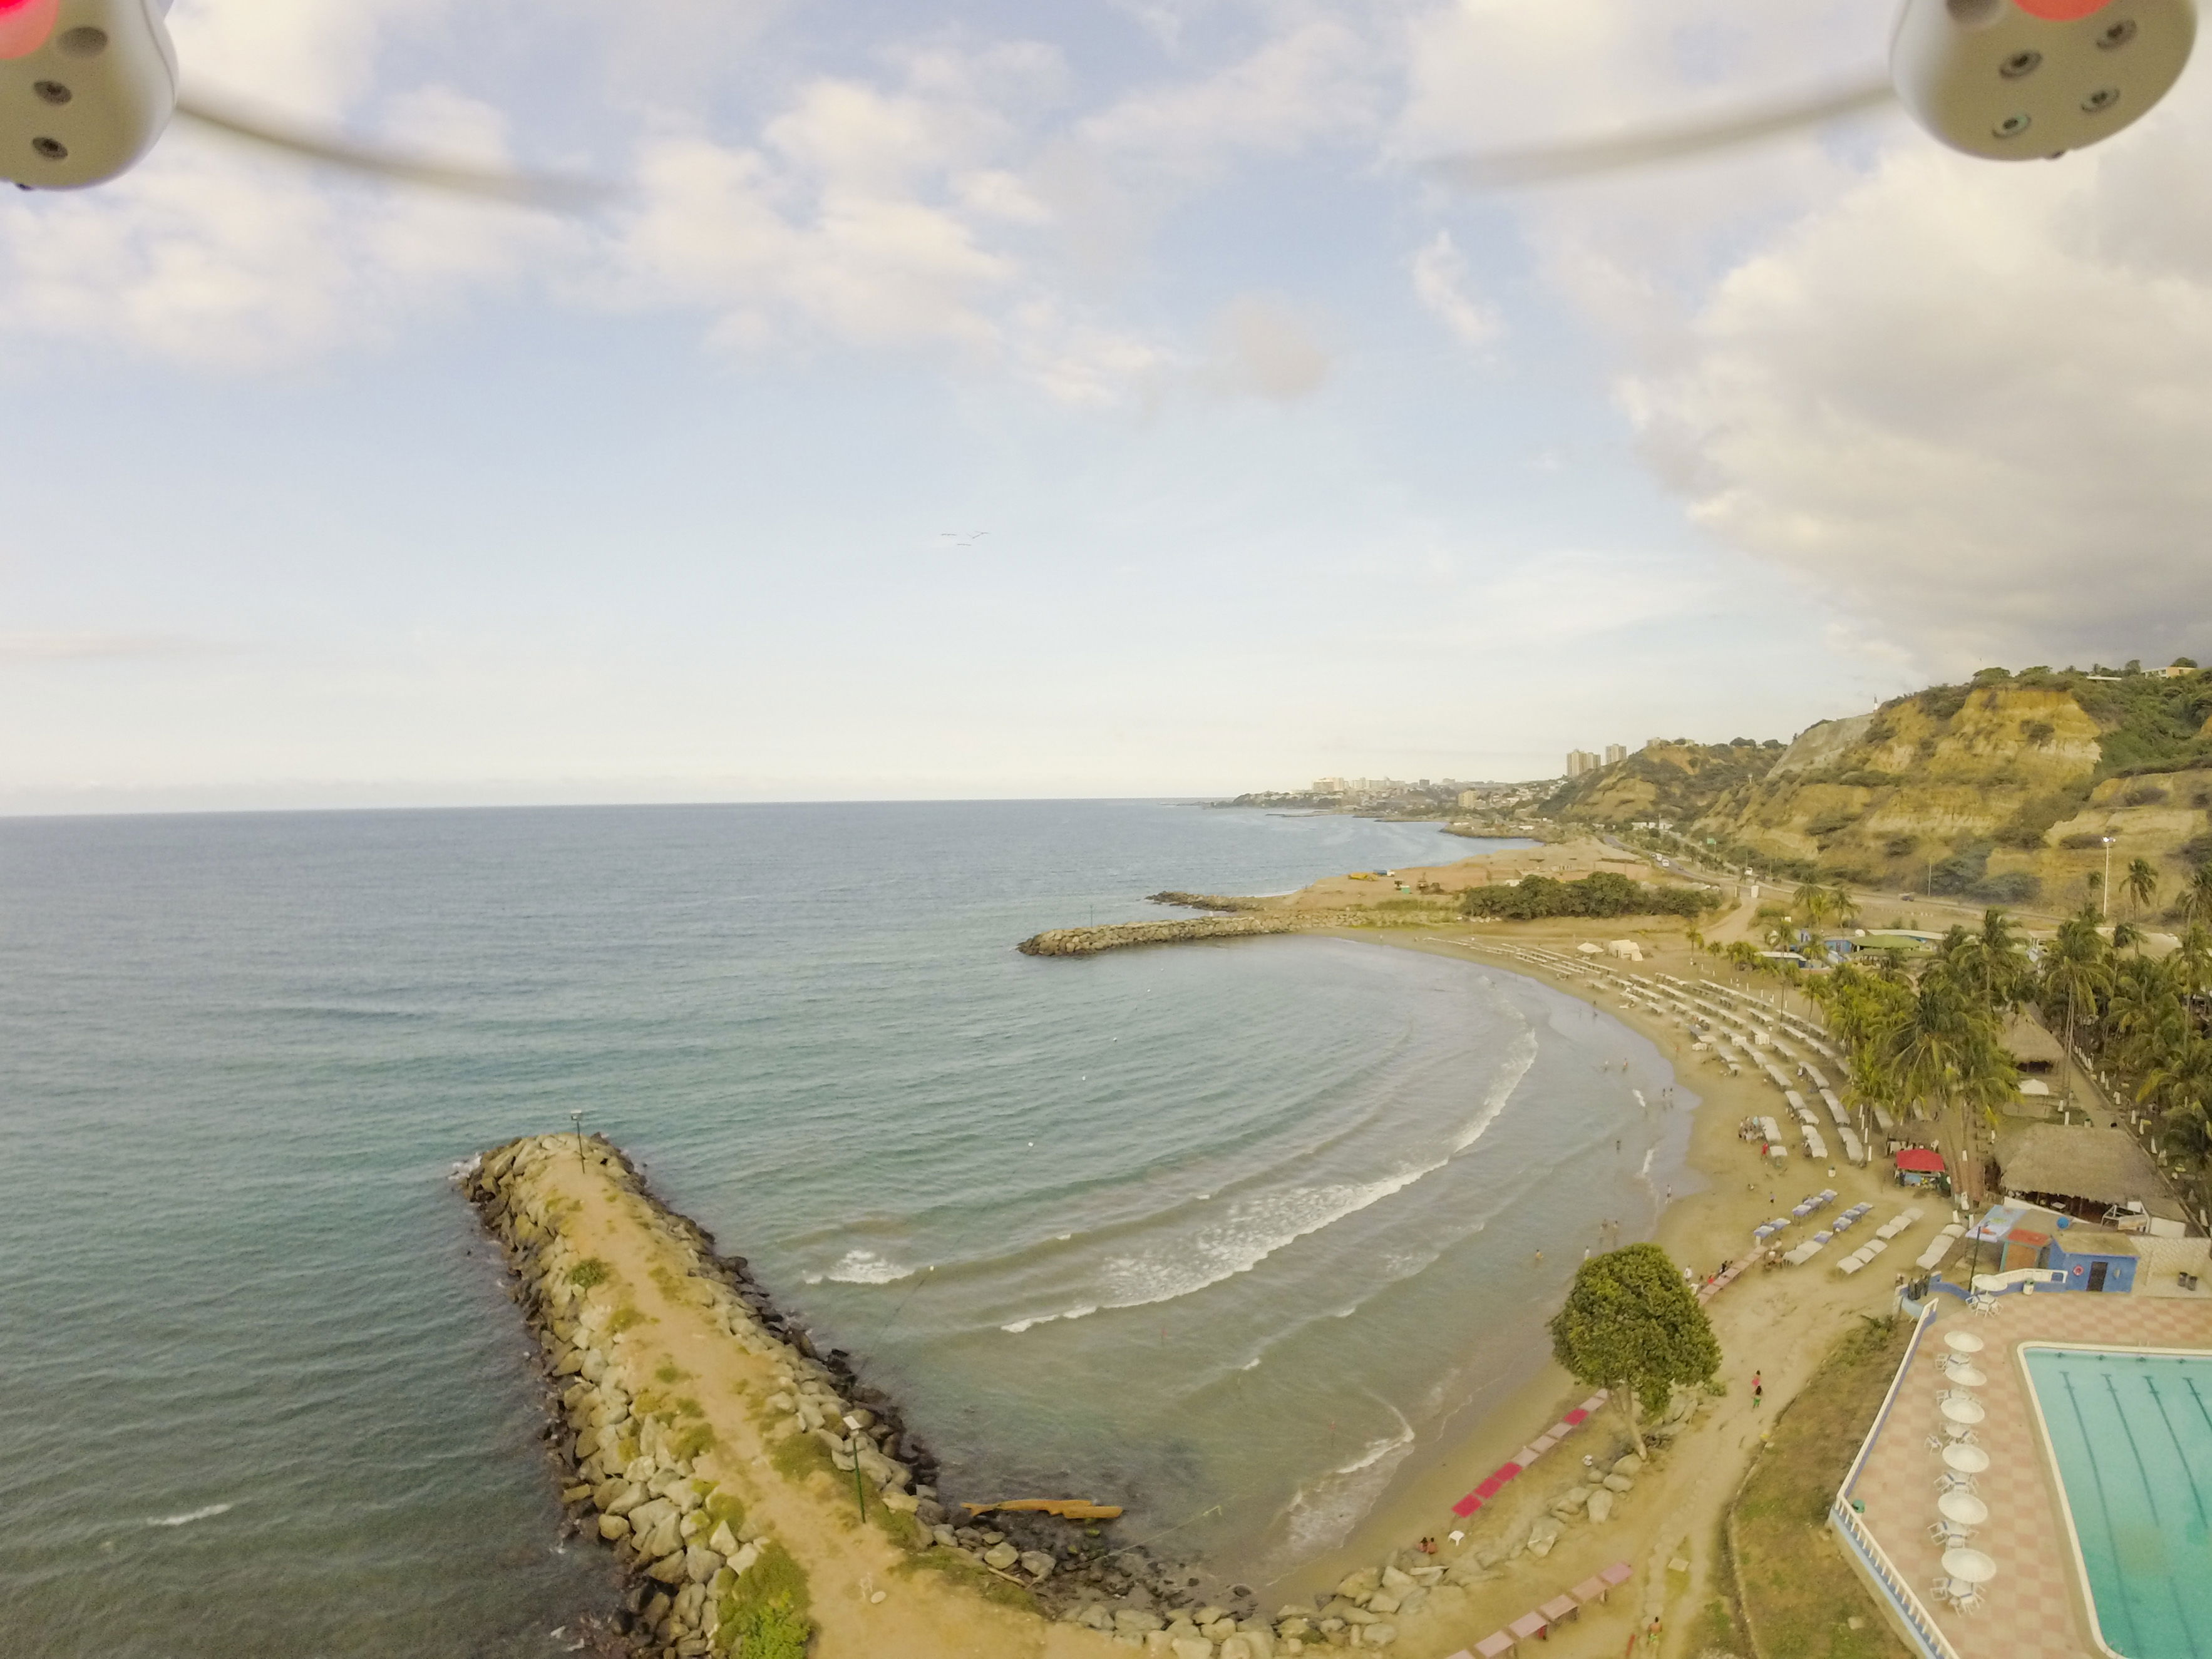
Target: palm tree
x=2195 y=959
x=2142 y=883
x=2196 y=905
x=1811 y=900
x=2078 y=976
x=1943 y=1047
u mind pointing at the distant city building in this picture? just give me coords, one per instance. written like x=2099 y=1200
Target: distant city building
x=1580 y=761
x=1470 y=797
x=1329 y=785
x=1615 y=753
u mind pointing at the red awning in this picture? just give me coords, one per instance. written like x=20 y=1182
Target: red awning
x=1921 y=1160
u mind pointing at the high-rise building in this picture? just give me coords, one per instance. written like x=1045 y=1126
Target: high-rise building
x=1580 y=761
x=1615 y=752
x=1470 y=797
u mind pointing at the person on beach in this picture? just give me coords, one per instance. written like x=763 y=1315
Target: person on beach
x=1757 y=1388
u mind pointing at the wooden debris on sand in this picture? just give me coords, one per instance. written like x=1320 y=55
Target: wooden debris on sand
x=1068 y=1509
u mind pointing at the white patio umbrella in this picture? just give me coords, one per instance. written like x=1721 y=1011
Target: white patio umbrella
x=1965 y=1459
x=1964 y=1507
x=1969 y=1566
x=1963 y=1342
x=1961 y=1410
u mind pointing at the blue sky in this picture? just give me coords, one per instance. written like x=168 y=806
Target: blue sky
x=1290 y=462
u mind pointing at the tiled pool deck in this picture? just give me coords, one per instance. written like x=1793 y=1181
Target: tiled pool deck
x=2031 y=1608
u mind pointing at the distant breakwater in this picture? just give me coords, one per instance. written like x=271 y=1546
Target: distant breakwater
x=1223 y=901
x=1089 y=941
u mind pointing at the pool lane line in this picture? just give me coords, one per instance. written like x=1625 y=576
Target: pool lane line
x=2150 y=1497
x=2180 y=1451
x=2126 y=1607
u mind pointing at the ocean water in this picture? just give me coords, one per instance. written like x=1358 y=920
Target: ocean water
x=1229 y=1233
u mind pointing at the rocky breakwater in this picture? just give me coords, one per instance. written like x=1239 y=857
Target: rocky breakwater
x=705 y=1577
x=724 y=1459
x=1089 y=941
x=1222 y=902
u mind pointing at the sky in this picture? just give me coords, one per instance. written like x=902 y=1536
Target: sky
x=1266 y=454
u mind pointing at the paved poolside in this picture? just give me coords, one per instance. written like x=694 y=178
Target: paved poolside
x=2033 y=1609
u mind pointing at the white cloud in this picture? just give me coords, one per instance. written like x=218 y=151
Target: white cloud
x=1318 y=80
x=1440 y=281
x=1266 y=347
x=92 y=646
x=1968 y=399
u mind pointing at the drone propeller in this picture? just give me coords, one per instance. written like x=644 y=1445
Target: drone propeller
x=524 y=189
x=1500 y=170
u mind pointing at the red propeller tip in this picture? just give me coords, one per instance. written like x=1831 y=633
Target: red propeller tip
x=2061 y=11
x=25 y=25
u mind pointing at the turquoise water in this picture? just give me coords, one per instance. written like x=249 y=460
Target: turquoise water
x=2133 y=1438
x=1232 y=1233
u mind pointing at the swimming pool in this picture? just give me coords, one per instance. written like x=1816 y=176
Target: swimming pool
x=2131 y=1433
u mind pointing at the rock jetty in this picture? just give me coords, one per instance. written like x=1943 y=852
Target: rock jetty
x=1225 y=901
x=703 y=1438
x=1089 y=941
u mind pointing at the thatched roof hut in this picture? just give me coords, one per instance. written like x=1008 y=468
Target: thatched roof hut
x=2033 y=1047
x=2065 y=1168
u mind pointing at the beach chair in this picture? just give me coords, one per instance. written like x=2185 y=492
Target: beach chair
x=1952 y=1480
x=1949 y=1533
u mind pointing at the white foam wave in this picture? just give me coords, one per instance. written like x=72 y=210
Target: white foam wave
x=1641 y=1104
x=1258 y=1226
x=1327 y=1508
x=867 y=1268
x=186 y=1519
x=1518 y=1059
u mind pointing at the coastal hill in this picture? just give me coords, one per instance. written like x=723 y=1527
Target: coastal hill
x=2001 y=789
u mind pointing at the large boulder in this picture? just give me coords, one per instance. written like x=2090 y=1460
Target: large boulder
x=1378 y=1635
x=1191 y=1647
x=1037 y=1563
x=1543 y=1535
x=1601 y=1506
x=669 y=1570
x=1001 y=1556
x=702 y=1563
x=722 y=1541
x=666 y=1539
x=1359 y=1586
x=1135 y=1621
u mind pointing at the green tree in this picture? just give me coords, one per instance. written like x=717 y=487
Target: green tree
x=2142 y=883
x=2196 y=905
x=1633 y=1326
x=2077 y=976
x=1946 y=1046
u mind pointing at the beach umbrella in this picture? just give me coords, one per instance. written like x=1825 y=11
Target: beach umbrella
x=1969 y=1566
x=1963 y=1507
x=1965 y=1459
x=1965 y=1376
x=1959 y=1410
x=1963 y=1342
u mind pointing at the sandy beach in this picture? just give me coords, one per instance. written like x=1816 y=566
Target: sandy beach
x=1777 y=1324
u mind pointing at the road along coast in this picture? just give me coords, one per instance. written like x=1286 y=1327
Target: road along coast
x=725 y=1463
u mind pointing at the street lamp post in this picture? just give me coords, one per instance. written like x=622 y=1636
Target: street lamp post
x=2106 y=892
x=577 y=1118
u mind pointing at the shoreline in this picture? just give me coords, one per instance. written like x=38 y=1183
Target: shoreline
x=1778 y=1324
